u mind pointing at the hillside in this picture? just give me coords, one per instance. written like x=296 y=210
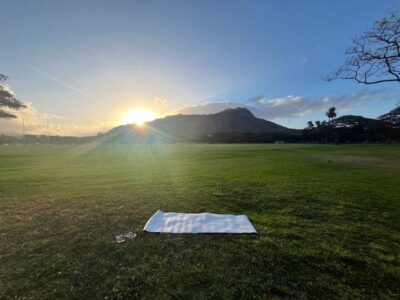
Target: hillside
x=358 y=121
x=191 y=127
x=393 y=116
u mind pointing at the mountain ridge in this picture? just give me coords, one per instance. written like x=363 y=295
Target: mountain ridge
x=189 y=127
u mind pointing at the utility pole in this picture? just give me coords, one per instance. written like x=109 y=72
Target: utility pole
x=23 y=131
x=48 y=131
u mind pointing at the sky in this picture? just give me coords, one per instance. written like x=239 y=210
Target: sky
x=83 y=65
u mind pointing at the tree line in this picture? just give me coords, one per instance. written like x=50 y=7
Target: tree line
x=354 y=129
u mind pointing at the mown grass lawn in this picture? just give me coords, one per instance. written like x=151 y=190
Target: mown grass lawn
x=328 y=219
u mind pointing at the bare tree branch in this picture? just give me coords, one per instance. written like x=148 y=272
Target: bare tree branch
x=375 y=55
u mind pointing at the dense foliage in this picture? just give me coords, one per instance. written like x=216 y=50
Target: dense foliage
x=8 y=100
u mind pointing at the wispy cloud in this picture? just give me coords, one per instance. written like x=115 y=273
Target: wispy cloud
x=161 y=102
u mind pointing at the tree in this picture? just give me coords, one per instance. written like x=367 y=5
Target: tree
x=375 y=55
x=331 y=113
x=8 y=100
x=310 y=125
x=317 y=124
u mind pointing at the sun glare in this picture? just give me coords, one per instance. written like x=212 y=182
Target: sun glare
x=138 y=117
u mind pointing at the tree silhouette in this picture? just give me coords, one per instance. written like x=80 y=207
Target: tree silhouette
x=331 y=113
x=8 y=100
x=317 y=124
x=310 y=125
x=375 y=55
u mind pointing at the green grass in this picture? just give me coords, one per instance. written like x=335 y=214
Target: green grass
x=328 y=219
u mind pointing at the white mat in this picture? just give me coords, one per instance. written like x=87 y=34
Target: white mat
x=198 y=223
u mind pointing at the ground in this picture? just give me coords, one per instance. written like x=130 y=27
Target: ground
x=328 y=221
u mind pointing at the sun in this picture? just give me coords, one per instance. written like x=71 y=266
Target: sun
x=138 y=117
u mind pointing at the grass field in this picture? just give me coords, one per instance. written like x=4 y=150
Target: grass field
x=328 y=219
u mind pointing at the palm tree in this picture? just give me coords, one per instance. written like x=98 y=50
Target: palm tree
x=331 y=113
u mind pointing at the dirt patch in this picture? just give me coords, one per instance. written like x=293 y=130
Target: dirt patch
x=392 y=161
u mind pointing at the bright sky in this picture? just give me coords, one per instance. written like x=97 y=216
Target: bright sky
x=87 y=63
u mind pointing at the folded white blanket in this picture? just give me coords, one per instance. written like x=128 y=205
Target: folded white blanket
x=198 y=223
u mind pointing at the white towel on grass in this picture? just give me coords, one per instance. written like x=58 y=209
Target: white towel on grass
x=198 y=223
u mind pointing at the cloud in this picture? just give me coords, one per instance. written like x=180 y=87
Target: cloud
x=32 y=119
x=299 y=106
x=207 y=107
x=161 y=102
x=291 y=106
x=36 y=123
